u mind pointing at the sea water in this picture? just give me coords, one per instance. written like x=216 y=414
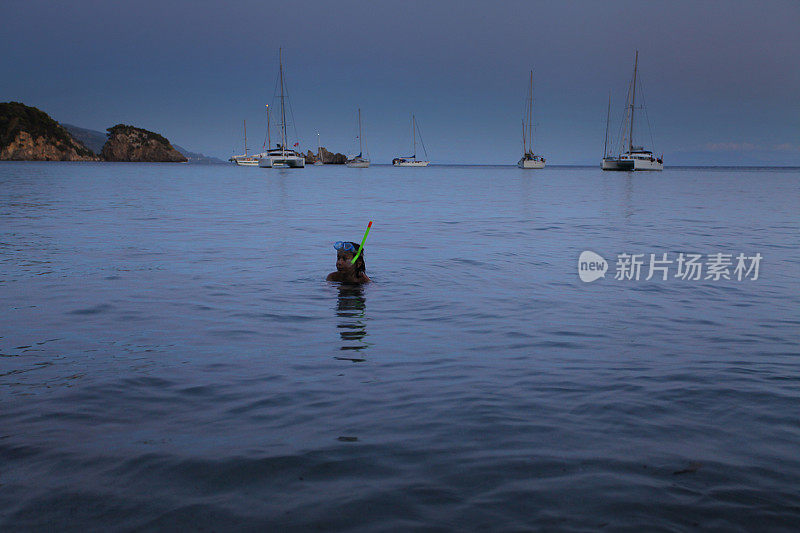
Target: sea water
x=172 y=358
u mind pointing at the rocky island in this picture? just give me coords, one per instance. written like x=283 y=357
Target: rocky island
x=128 y=143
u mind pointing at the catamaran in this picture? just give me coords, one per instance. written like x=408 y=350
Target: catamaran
x=245 y=160
x=529 y=159
x=635 y=157
x=412 y=161
x=359 y=161
x=281 y=156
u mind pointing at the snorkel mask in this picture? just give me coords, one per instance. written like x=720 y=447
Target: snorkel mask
x=345 y=246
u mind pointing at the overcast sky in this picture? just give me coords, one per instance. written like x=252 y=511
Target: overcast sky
x=721 y=80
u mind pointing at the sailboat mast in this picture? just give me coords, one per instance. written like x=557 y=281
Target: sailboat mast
x=361 y=135
x=633 y=101
x=360 y=150
x=414 y=134
x=530 y=117
x=269 y=140
x=608 y=116
x=319 y=158
x=245 y=137
x=283 y=109
x=523 y=137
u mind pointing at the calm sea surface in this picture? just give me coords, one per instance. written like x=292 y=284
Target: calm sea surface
x=172 y=358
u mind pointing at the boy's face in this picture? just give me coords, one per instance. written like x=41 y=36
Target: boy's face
x=344 y=261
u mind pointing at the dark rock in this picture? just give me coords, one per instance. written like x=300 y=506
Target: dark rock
x=329 y=158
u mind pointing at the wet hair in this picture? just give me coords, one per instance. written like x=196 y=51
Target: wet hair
x=361 y=266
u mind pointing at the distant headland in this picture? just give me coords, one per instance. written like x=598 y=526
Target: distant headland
x=29 y=134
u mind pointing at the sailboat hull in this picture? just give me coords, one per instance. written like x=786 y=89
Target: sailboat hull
x=630 y=164
x=616 y=164
x=246 y=162
x=647 y=165
x=530 y=163
x=282 y=160
x=411 y=163
x=358 y=164
x=288 y=162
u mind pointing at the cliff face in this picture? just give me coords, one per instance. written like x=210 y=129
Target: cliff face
x=329 y=158
x=127 y=143
x=28 y=134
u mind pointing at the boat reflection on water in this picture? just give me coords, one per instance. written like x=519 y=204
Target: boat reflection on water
x=352 y=307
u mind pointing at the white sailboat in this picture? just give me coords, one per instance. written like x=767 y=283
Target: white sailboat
x=245 y=160
x=318 y=160
x=281 y=156
x=359 y=161
x=412 y=161
x=529 y=159
x=635 y=157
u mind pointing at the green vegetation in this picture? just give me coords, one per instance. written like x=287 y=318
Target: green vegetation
x=16 y=117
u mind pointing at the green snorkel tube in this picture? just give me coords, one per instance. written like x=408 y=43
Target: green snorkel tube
x=355 y=257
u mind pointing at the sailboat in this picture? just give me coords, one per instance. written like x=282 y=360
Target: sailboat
x=281 y=156
x=529 y=159
x=635 y=157
x=359 y=161
x=318 y=160
x=412 y=161
x=245 y=160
